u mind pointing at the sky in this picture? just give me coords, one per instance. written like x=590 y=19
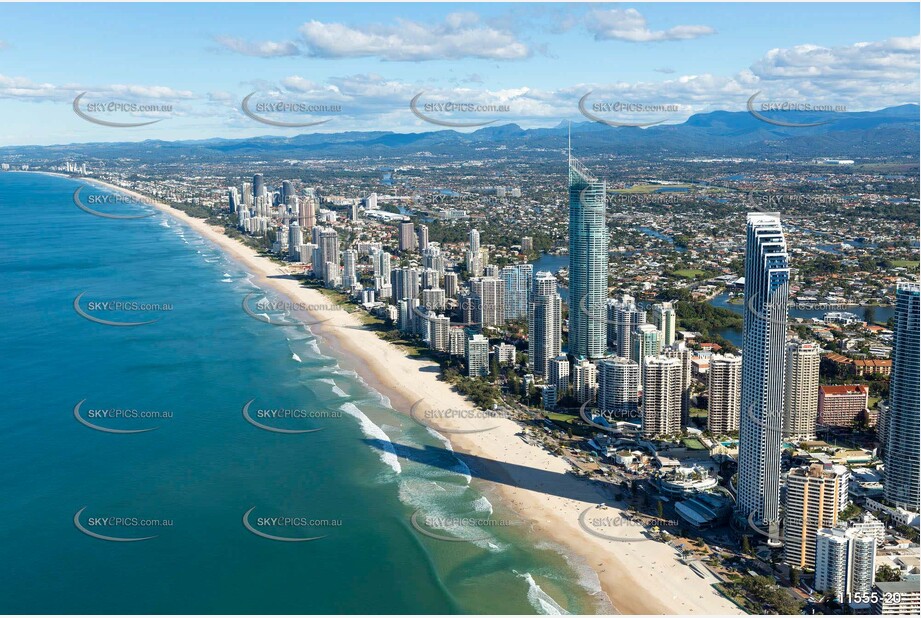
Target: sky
x=358 y=67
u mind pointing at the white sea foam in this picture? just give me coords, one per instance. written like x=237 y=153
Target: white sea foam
x=441 y=438
x=483 y=505
x=227 y=280
x=387 y=453
x=587 y=576
x=540 y=600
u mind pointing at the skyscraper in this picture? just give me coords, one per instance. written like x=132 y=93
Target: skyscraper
x=518 y=286
x=683 y=353
x=584 y=380
x=326 y=257
x=477 y=353
x=663 y=316
x=307 y=213
x=544 y=324
x=801 y=391
x=422 y=232
x=588 y=263
x=474 y=254
x=349 y=271
x=724 y=386
x=405 y=282
x=767 y=276
x=488 y=295
x=902 y=420
x=258 y=186
x=645 y=343
x=623 y=317
x=407 y=236
x=815 y=496
x=618 y=386
x=845 y=563
x=661 y=378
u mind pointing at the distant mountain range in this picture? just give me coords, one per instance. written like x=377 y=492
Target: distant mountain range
x=887 y=133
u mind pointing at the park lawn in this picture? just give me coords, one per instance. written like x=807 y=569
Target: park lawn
x=688 y=273
x=906 y=263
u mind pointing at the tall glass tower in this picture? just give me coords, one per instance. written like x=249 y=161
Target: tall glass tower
x=901 y=454
x=588 y=263
x=767 y=280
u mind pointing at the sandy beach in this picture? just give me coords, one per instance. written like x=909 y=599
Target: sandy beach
x=639 y=577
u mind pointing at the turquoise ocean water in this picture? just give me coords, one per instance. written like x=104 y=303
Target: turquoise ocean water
x=189 y=482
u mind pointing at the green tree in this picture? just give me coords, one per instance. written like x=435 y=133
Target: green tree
x=886 y=573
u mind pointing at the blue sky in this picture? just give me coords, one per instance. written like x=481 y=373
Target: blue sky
x=369 y=60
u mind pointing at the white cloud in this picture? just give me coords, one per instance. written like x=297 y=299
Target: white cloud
x=892 y=59
x=460 y=36
x=24 y=88
x=630 y=25
x=261 y=49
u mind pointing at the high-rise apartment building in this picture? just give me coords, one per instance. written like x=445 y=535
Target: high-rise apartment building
x=724 y=387
x=618 y=387
x=901 y=455
x=801 y=391
x=661 y=409
x=663 y=316
x=815 y=495
x=588 y=263
x=767 y=277
x=544 y=324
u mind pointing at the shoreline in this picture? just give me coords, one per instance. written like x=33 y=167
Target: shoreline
x=529 y=481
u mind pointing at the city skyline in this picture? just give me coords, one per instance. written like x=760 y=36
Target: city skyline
x=488 y=309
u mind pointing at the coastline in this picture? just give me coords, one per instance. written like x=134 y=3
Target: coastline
x=530 y=481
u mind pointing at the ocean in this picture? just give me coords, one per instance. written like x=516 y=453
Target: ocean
x=200 y=510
